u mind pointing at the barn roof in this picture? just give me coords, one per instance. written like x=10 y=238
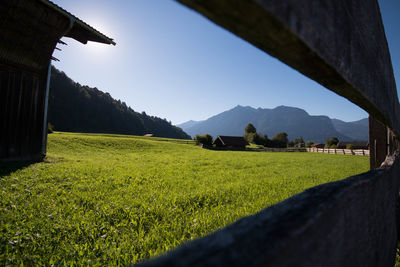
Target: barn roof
x=31 y=29
x=80 y=30
x=232 y=140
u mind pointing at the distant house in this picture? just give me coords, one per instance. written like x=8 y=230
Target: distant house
x=318 y=145
x=230 y=141
x=299 y=145
x=354 y=145
x=149 y=135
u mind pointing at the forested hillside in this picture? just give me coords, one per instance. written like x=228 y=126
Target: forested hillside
x=77 y=108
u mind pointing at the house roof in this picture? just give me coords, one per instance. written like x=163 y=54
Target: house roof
x=80 y=30
x=231 y=140
x=317 y=144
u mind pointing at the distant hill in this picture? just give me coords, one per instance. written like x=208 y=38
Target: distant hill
x=294 y=121
x=188 y=124
x=357 y=130
x=77 y=108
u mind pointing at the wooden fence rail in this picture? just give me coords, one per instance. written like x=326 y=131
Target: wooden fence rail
x=362 y=152
x=352 y=222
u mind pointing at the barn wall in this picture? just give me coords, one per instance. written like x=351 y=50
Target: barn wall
x=29 y=32
x=21 y=113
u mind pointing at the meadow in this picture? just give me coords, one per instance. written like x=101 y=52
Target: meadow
x=113 y=199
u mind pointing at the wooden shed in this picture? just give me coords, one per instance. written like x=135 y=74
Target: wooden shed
x=230 y=141
x=29 y=33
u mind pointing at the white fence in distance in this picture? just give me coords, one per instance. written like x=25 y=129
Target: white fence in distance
x=362 y=152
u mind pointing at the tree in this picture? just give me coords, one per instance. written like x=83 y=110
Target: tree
x=76 y=108
x=349 y=146
x=50 y=128
x=258 y=139
x=255 y=138
x=331 y=141
x=249 y=137
x=269 y=143
x=282 y=136
x=204 y=139
x=250 y=134
x=265 y=140
x=298 y=140
x=309 y=144
x=250 y=128
x=280 y=140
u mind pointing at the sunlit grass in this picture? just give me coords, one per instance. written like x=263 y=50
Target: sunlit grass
x=109 y=199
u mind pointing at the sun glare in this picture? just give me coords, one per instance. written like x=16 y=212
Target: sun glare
x=100 y=50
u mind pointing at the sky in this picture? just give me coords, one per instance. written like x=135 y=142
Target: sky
x=173 y=63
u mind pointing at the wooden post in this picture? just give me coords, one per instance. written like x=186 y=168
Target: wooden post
x=378 y=142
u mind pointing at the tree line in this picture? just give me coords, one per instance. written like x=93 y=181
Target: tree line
x=77 y=108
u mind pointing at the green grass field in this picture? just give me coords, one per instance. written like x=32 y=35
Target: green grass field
x=113 y=199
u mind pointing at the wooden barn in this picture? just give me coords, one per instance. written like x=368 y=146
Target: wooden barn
x=29 y=33
x=230 y=141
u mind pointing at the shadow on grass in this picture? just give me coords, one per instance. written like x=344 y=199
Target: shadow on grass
x=8 y=167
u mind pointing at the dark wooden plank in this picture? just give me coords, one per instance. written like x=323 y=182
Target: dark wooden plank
x=328 y=41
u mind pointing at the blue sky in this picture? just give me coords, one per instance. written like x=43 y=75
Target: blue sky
x=172 y=63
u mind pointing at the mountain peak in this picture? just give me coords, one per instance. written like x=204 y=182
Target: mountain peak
x=242 y=107
x=292 y=110
x=292 y=120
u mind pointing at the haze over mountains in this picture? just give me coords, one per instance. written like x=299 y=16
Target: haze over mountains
x=295 y=122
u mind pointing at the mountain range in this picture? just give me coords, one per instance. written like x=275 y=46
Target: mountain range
x=77 y=108
x=294 y=121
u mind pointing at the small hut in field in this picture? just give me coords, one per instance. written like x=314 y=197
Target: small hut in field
x=230 y=141
x=149 y=135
